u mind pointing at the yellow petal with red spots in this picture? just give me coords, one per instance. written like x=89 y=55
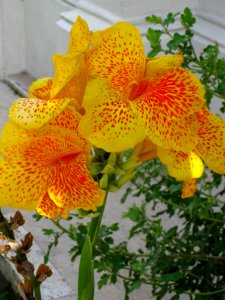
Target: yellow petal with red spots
x=70 y=75
x=80 y=37
x=188 y=188
x=40 y=88
x=34 y=113
x=177 y=94
x=117 y=55
x=109 y=123
x=50 y=210
x=73 y=186
x=182 y=166
x=163 y=131
x=159 y=66
x=211 y=137
x=22 y=183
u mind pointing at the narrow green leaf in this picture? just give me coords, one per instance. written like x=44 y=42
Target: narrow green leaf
x=85 y=267
x=88 y=293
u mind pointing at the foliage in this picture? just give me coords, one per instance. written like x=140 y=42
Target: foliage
x=189 y=257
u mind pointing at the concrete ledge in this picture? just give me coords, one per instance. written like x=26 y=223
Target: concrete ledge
x=54 y=288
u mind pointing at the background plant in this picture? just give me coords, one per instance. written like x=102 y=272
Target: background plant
x=188 y=258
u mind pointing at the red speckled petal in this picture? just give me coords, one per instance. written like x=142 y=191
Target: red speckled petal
x=73 y=187
x=164 y=132
x=188 y=188
x=109 y=123
x=211 y=137
x=176 y=95
x=80 y=37
x=159 y=66
x=70 y=76
x=182 y=166
x=22 y=184
x=35 y=113
x=117 y=55
x=50 y=210
x=40 y=88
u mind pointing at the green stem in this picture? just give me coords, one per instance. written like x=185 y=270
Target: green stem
x=95 y=224
x=36 y=287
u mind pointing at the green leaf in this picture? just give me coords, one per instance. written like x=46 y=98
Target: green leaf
x=154 y=52
x=85 y=268
x=135 y=285
x=170 y=19
x=153 y=19
x=154 y=36
x=88 y=293
x=187 y=19
x=171 y=277
x=48 y=231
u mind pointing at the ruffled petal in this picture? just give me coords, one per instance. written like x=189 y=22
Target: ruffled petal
x=50 y=210
x=188 y=188
x=163 y=131
x=70 y=76
x=117 y=55
x=211 y=136
x=73 y=186
x=22 y=183
x=109 y=123
x=159 y=66
x=80 y=37
x=40 y=88
x=177 y=94
x=182 y=166
x=35 y=113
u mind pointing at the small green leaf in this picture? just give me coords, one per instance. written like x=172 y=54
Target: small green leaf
x=153 y=36
x=153 y=19
x=187 y=19
x=171 y=277
x=170 y=19
x=135 y=285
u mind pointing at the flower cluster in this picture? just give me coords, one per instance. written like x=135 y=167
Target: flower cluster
x=105 y=93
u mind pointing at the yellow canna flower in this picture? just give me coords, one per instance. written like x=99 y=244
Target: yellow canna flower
x=46 y=169
x=187 y=167
x=129 y=97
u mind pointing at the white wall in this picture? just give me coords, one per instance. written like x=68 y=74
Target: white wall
x=12 y=37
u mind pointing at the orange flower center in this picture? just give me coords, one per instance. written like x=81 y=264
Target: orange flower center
x=137 y=89
x=65 y=160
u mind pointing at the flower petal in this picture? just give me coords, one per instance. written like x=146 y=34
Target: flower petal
x=70 y=76
x=162 y=131
x=117 y=55
x=188 y=188
x=73 y=186
x=182 y=166
x=35 y=113
x=159 y=66
x=79 y=37
x=40 y=88
x=110 y=123
x=22 y=184
x=211 y=137
x=50 y=210
x=176 y=94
